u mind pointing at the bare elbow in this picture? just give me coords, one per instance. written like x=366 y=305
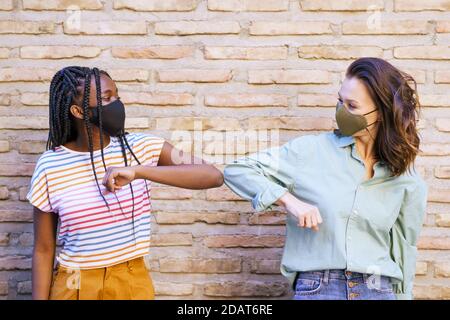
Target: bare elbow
x=218 y=178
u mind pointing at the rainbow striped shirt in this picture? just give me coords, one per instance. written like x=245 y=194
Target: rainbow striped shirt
x=91 y=236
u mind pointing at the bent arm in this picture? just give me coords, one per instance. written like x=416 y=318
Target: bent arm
x=264 y=177
x=179 y=169
x=183 y=176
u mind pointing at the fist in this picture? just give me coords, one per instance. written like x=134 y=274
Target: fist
x=117 y=177
x=308 y=215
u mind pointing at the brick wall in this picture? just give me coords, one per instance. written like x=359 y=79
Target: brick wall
x=218 y=65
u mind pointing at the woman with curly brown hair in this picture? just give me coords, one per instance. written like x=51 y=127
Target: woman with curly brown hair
x=357 y=183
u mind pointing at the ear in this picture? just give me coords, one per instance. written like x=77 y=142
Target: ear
x=76 y=111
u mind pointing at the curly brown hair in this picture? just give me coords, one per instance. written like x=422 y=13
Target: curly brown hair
x=394 y=92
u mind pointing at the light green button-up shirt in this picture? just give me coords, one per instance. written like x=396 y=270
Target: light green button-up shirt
x=369 y=226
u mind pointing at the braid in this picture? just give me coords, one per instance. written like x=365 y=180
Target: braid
x=88 y=126
x=63 y=90
x=67 y=124
x=51 y=141
x=122 y=147
x=57 y=117
x=100 y=108
x=137 y=160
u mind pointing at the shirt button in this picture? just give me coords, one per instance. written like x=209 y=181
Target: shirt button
x=355 y=211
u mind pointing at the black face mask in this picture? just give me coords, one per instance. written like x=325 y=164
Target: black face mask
x=113 y=118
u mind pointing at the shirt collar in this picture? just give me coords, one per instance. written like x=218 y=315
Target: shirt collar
x=344 y=141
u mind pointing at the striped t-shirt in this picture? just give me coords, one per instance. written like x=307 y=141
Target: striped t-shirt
x=91 y=236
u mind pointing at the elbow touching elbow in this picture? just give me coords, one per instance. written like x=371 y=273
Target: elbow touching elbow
x=230 y=174
x=212 y=177
x=227 y=172
x=218 y=179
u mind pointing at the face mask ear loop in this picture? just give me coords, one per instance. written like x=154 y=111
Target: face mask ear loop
x=368 y=129
x=365 y=114
x=371 y=123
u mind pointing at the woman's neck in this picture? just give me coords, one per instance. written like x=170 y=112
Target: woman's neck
x=81 y=142
x=365 y=145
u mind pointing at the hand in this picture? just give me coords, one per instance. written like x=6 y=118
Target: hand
x=117 y=177
x=307 y=214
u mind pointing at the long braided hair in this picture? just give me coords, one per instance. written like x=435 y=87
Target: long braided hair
x=67 y=87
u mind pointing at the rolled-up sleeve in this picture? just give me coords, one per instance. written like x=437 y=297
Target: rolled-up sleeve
x=404 y=236
x=265 y=176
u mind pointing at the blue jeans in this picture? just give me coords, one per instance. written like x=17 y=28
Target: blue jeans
x=342 y=285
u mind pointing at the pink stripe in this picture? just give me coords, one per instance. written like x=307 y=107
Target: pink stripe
x=115 y=205
x=122 y=197
x=89 y=191
x=119 y=213
x=104 y=223
x=116 y=208
x=99 y=170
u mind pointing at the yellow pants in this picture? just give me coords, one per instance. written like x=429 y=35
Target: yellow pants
x=129 y=280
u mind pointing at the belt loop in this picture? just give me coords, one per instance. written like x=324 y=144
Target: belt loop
x=326 y=275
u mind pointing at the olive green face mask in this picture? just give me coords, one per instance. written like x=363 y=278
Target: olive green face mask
x=350 y=123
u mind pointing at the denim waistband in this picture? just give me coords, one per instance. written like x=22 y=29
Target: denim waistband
x=339 y=274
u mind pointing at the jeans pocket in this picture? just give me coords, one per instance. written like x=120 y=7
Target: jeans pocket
x=382 y=285
x=307 y=286
x=385 y=289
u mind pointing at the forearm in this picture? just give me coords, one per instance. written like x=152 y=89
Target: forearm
x=42 y=274
x=199 y=176
x=250 y=182
x=283 y=200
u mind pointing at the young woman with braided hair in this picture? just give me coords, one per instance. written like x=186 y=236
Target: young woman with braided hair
x=104 y=228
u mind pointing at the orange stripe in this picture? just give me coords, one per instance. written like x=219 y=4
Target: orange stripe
x=78 y=166
x=83 y=164
x=73 y=184
x=105 y=253
x=89 y=176
x=84 y=171
x=40 y=203
x=107 y=265
x=100 y=160
x=61 y=189
x=101 y=167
